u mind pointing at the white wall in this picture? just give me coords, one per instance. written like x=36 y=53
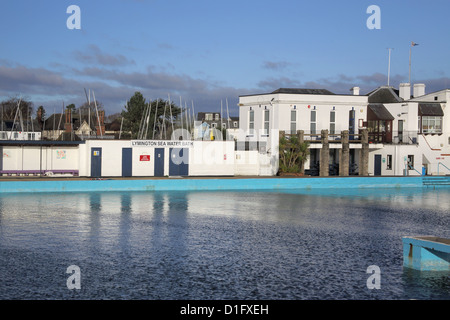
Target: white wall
x=246 y=163
x=35 y=158
x=207 y=158
x=280 y=106
x=111 y=156
x=211 y=158
x=399 y=153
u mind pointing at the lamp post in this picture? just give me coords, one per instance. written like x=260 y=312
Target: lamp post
x=389 y=65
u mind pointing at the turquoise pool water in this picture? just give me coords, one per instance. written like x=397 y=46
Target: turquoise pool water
x=283 y=245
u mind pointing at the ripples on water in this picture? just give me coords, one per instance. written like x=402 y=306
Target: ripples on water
x=219 y=245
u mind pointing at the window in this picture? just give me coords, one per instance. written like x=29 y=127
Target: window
x=251 y=122
x=16 y=135
x=389 y=162
x=235 y=124
x=332 y=122
x=266 y=122
x=208 y=116
x=313 y=122
x=217 y=117
x=293 y=121
x=224 y=125
x=410 y=161
x=214 y=125
x=431 y=124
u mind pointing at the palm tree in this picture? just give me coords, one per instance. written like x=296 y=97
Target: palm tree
x=293 y=154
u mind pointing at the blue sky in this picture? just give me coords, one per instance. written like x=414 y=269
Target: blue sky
x=210 y=50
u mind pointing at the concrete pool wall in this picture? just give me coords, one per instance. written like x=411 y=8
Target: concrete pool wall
x=207 y=184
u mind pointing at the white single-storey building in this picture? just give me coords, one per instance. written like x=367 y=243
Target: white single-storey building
x=123 y=158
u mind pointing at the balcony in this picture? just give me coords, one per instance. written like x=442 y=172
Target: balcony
x=395 y=137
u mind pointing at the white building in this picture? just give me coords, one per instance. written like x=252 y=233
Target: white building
x=262 y=116
x=420 y=133
x=408 y=135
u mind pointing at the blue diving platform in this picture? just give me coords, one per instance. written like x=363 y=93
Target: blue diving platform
x=426 y=253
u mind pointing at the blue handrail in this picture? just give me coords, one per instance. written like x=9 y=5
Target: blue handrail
x=411 y=167
x=440 y=163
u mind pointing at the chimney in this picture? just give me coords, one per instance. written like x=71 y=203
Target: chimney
x=355 y=91
x=101 y=118
x=405 y=91
x=419 y=90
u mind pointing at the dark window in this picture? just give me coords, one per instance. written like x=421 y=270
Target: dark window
x=410 y=161
x=389 y=162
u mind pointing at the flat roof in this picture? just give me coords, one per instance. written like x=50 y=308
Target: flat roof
x=323 y=92
x=39 y=143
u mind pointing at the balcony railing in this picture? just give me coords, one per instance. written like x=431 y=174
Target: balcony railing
x=395 y=137
x=316 y=137
x=404 y=137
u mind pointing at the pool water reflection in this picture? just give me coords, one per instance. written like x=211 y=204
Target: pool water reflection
x=219 y=245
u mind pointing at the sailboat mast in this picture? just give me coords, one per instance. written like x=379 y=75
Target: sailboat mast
x=181 y=116
x=156 y=116
x=187 y=116
x=121 y=124
x=96 y=110
x=15 y=116
x=221 y=125
x=148 y=118
x=171 y=116
x=164 y=122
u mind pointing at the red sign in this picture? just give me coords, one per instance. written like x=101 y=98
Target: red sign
x=144 y=157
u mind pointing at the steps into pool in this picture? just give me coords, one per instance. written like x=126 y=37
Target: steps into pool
x=434 y=181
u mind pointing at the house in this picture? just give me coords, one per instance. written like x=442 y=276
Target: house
x=215 y=120
x=75 y=126
x=416 y=136
x=209 y=124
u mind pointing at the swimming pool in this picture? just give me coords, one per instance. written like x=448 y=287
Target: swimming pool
x=261 y=245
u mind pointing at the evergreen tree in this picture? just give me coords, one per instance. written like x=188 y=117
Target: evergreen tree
x=139 y=117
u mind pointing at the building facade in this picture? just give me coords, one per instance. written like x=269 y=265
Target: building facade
x=407 y=134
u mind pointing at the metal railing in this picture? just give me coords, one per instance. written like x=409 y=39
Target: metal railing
x=412 y=168
x=395 y=137
x=440 y=163
x=316 y=137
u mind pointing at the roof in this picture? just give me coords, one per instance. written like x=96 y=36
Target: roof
x=379 y=112
x=40 y=142
x=431 y=109
x=28 y=126
x=57 y=121
x=303 y=91
x=384 y=95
